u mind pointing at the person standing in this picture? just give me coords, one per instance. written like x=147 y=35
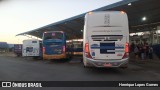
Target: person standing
x=136 y=51
x=142 y=53
x=147 y=50
x=150 y=53
x=132 y=47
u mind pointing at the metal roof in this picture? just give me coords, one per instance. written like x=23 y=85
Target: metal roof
x=139 y=8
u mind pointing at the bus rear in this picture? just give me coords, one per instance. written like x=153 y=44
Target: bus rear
x=18 y=49
x=78 y=48
x=54 y=45
x=31 y=48
x=106 y=39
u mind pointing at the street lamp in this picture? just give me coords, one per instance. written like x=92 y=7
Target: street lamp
x=129 y=4
x=144 y=19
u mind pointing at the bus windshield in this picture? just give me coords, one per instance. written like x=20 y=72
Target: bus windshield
x=53 y=35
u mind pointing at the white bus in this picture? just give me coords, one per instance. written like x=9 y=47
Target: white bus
x=106 y=39
x=31 y=48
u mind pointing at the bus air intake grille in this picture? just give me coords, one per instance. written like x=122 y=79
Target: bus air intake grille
x=106 y=37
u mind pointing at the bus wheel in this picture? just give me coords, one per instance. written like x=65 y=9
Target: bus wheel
x=86 y=65
x=125 y=66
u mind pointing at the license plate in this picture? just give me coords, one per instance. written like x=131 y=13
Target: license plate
x=107 y=65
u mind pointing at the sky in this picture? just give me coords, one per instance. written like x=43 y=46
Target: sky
x=18 y=16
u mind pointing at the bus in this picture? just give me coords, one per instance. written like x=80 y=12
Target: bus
x=32 y=48
x=76 y=45
x=106 y=39
x=54 y=45
x=18 y=49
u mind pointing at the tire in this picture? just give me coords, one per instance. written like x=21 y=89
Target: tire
x=86 y=65
x=125 y=66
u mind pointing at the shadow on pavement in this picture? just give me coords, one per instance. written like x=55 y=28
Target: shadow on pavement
x=104 y=70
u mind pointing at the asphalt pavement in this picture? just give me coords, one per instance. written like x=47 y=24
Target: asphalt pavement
x=14 y=68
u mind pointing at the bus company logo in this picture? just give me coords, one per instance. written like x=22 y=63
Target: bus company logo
x=107 y=19
x=6 y=84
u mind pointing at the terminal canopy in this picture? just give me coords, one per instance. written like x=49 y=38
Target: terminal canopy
x=143 y=15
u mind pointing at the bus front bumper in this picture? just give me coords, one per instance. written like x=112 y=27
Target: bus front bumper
x=107 y=63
